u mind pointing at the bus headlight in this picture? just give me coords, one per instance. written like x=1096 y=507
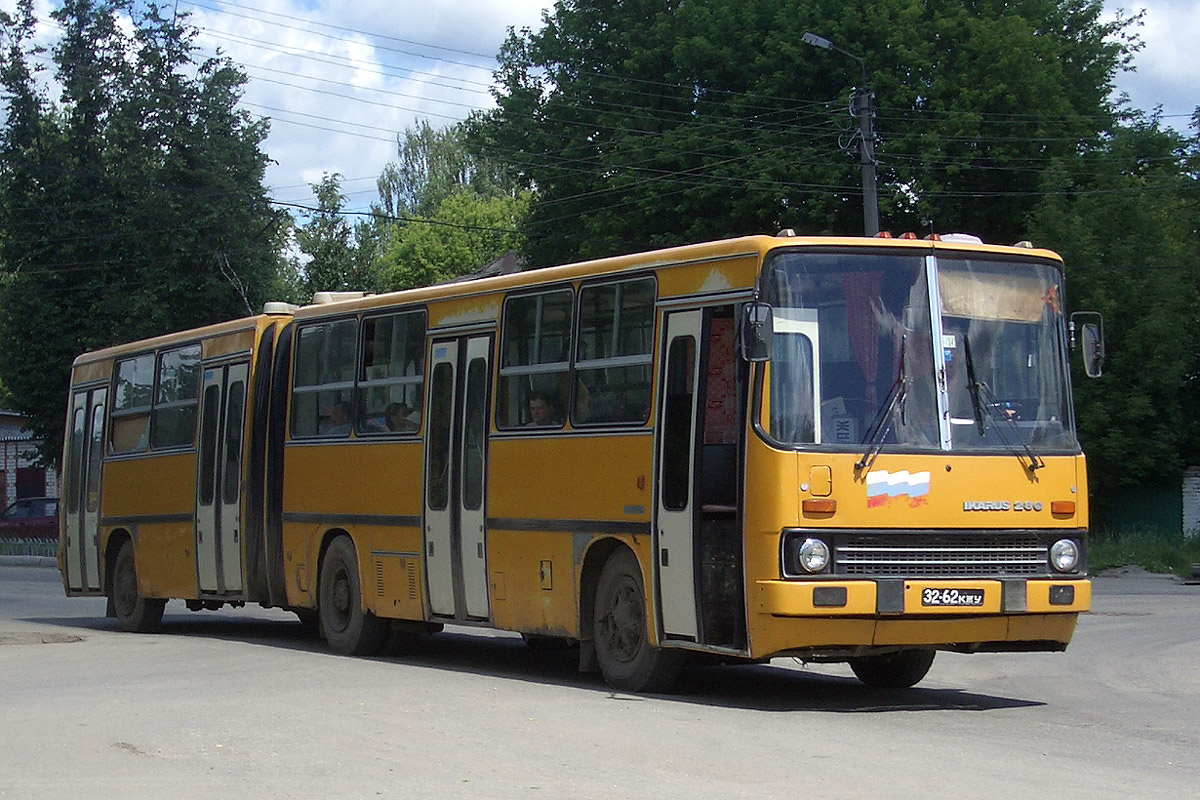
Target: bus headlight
x=814 y=555
x=1064 y=555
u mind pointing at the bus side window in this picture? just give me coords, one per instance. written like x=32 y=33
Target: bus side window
x=613 y=352
x=132 y=398
x=174 y=418
x=324 y=379
x=391 y=374
x=535 y=348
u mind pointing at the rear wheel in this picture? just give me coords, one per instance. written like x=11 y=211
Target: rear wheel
x=346 y=625
x=627 y=659
x=898 y=670
x=133 y=612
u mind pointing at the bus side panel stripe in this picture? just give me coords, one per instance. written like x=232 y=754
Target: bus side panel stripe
x=335 y=519
x=570 y=525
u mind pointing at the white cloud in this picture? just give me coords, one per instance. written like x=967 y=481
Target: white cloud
x=341 y=80
x=1167 y=70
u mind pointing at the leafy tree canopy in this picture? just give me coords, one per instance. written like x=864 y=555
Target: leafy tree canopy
x=337 y=258
x=130 y=206
x=655 y=122
x=465 y=234
x=1129 y=234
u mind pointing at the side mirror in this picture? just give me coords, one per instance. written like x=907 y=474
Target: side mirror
x=756 y=336
x=1092 y=335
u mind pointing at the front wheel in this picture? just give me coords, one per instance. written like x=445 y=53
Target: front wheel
x=898 y=670
x=627 y=659
x=346 y=625
x=134 y=613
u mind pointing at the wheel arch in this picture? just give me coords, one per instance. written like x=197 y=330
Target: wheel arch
x=326 y=538
x=115 y=538
x=595 y=557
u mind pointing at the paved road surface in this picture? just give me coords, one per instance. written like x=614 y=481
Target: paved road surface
x=239 y=704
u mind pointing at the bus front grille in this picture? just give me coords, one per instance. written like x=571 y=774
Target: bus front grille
x=941 y=555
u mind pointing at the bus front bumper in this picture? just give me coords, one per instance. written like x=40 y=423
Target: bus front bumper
x=983 y=615
x=898 y=597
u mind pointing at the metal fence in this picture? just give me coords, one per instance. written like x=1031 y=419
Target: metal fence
x=29 y=547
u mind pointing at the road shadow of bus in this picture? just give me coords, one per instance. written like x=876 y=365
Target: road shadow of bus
x=779 y=686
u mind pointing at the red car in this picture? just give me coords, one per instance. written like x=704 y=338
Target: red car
x=30 y=518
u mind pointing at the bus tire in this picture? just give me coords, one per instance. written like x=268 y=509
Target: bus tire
x=898 y=670
x=627 y=660
x=346 y=625
x=134 y=613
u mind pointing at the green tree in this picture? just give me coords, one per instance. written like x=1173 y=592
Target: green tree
x=132 y=207
x=433 y=164
x=465 y=234
x=329 y=242
x=656 y=122
x=1129 y=236
x=451 y=210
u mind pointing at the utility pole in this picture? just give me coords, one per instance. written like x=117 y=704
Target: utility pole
x=862 y=106
x=864 y=101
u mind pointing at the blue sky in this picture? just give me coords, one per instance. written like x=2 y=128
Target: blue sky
x=339 y=79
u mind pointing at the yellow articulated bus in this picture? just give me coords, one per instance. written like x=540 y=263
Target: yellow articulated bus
x=837 y=449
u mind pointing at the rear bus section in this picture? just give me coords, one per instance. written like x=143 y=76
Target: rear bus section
x=163 y=467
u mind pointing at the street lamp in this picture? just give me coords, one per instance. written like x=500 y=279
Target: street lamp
x=862 y=105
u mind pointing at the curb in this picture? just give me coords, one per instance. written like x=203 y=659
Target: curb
x=28 y=561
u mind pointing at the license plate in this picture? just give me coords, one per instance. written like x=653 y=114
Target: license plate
x=951 y=597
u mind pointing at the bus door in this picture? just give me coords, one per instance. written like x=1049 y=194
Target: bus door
x=697 y=529
x=219 y=479
x=676 y=511
x=81 y=509
x=456 y=472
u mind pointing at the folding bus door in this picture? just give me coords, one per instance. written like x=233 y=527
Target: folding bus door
x=455 y=478
x=219 y=479
x=81 y=500
x=676 y=508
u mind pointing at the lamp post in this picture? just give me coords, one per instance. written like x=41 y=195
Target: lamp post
x=863 y=106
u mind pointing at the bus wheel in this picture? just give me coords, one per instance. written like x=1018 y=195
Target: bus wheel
x=134 y=613
x=898 y=670
x=345 y=624
x=627 y=659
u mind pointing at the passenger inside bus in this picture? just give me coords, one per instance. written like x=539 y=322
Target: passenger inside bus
x=543 y=411
x=400 y=418
x=339 y=418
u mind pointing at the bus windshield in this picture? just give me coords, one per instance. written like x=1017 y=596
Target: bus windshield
x=865 y=353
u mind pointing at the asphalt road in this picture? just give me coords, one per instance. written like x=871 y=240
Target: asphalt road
x=240 y=704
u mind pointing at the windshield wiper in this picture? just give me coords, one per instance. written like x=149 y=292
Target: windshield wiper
x=882 y=423
x=986 y=404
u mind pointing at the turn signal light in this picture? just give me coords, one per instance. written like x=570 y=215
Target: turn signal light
x=1062 y=507
x=818 y=506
